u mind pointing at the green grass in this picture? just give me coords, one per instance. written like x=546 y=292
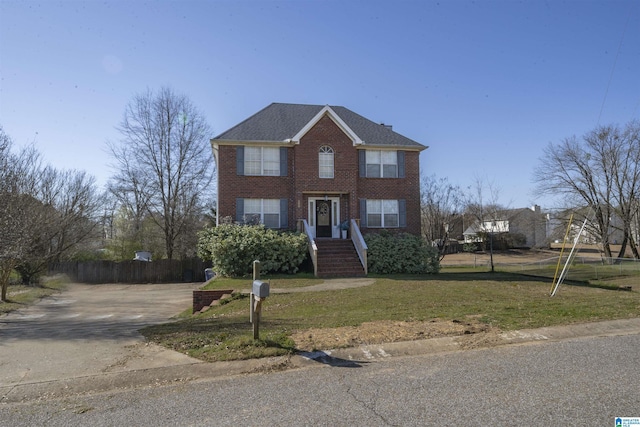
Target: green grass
x=20 y=296
x=580 y=271
x=505 y=300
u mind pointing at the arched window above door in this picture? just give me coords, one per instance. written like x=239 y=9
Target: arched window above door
x=325 y=162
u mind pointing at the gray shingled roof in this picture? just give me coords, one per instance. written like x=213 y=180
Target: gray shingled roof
x=279 y=122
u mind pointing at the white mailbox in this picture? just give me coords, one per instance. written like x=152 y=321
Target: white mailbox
x=260 y=289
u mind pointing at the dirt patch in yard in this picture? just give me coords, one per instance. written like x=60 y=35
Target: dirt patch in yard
x=387 y=331
x=512 y=256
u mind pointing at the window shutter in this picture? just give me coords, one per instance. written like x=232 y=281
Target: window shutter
x=402 y=213
x=283 y=161
x=362 y=163
x=284 y=213
x=240 y=160
x=400 y=164
x=363 y=213
x=240 y=210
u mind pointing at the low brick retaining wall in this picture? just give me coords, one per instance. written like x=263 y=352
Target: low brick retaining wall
x=203 y=299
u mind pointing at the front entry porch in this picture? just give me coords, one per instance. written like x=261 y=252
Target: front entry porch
x=323 y=216
x=338 y=258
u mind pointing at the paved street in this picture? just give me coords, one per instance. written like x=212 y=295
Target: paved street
x=578 y=382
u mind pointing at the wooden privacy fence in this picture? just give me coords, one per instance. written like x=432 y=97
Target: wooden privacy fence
x=161 y=271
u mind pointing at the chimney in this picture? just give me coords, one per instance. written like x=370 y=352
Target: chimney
x=536 y=208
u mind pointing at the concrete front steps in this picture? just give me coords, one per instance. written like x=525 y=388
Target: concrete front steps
x=338 y=258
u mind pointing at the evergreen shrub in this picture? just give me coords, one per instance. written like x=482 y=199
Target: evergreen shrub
x=233 y=248
x=400 y=253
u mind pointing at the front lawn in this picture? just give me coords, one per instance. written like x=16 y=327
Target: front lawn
x=501 y=301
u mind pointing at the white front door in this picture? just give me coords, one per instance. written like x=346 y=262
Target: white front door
x=324 y=217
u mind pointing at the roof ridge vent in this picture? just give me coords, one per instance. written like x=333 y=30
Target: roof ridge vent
x=390 y=127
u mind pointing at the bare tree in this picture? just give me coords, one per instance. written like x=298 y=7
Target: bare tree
x=68 y=217
x=45 y=214
x=482 y=200
x=18 y=210
x=598 y=171
x=482 y=205
x=163 y=162
x=132 y=192
x=626 y=177
x=441 y=207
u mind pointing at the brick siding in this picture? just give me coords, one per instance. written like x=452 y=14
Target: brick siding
x=303 y=181
x=204 y=298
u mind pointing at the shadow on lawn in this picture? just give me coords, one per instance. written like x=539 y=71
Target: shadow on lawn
x=498 y=276
x=464 y=276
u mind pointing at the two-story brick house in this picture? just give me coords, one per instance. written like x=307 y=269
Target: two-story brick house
x=322 y=164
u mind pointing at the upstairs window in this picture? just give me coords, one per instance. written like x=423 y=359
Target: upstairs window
x=325 y=162
x=262 y=161
x=381 y=164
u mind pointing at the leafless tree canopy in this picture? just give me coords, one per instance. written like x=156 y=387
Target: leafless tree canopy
x=163 y=163
x=481 y=200
x=441 y=206
x=16 y=207
x=45 y=214
x=68 y=210
x=599 y=171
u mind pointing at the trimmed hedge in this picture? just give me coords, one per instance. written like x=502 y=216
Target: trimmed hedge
x=400 y=253
x=233 y=248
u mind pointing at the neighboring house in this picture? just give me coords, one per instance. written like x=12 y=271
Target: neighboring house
x=589 y=235
x=526 y=224
x=322 y=164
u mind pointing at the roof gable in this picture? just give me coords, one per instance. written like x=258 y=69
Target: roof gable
x=326 y=110
x=287 y=123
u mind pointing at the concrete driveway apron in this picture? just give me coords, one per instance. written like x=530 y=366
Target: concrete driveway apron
x=88 y=330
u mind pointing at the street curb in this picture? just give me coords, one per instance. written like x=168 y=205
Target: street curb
x=373 y=352
x=352 y=357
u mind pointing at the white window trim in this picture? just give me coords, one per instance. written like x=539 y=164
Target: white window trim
x=311 y=219
x=382 y=213
x=323 y=153
x=262 y=212
x=381 y=163
x=262 y=161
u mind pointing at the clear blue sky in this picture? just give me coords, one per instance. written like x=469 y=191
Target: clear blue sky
x=485 y=84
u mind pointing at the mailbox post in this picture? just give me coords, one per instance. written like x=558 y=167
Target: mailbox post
x=259 y=291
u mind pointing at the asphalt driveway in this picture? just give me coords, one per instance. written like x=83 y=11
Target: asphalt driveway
x=88 y=330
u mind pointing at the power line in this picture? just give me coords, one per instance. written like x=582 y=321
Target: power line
x=615 y=61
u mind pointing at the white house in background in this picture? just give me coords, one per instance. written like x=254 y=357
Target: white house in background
x=528 y=223
x=589 y=236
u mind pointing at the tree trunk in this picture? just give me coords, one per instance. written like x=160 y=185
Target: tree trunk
x=5 y=273
x=634 y=248
x=603 y=226
x=623 y=246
